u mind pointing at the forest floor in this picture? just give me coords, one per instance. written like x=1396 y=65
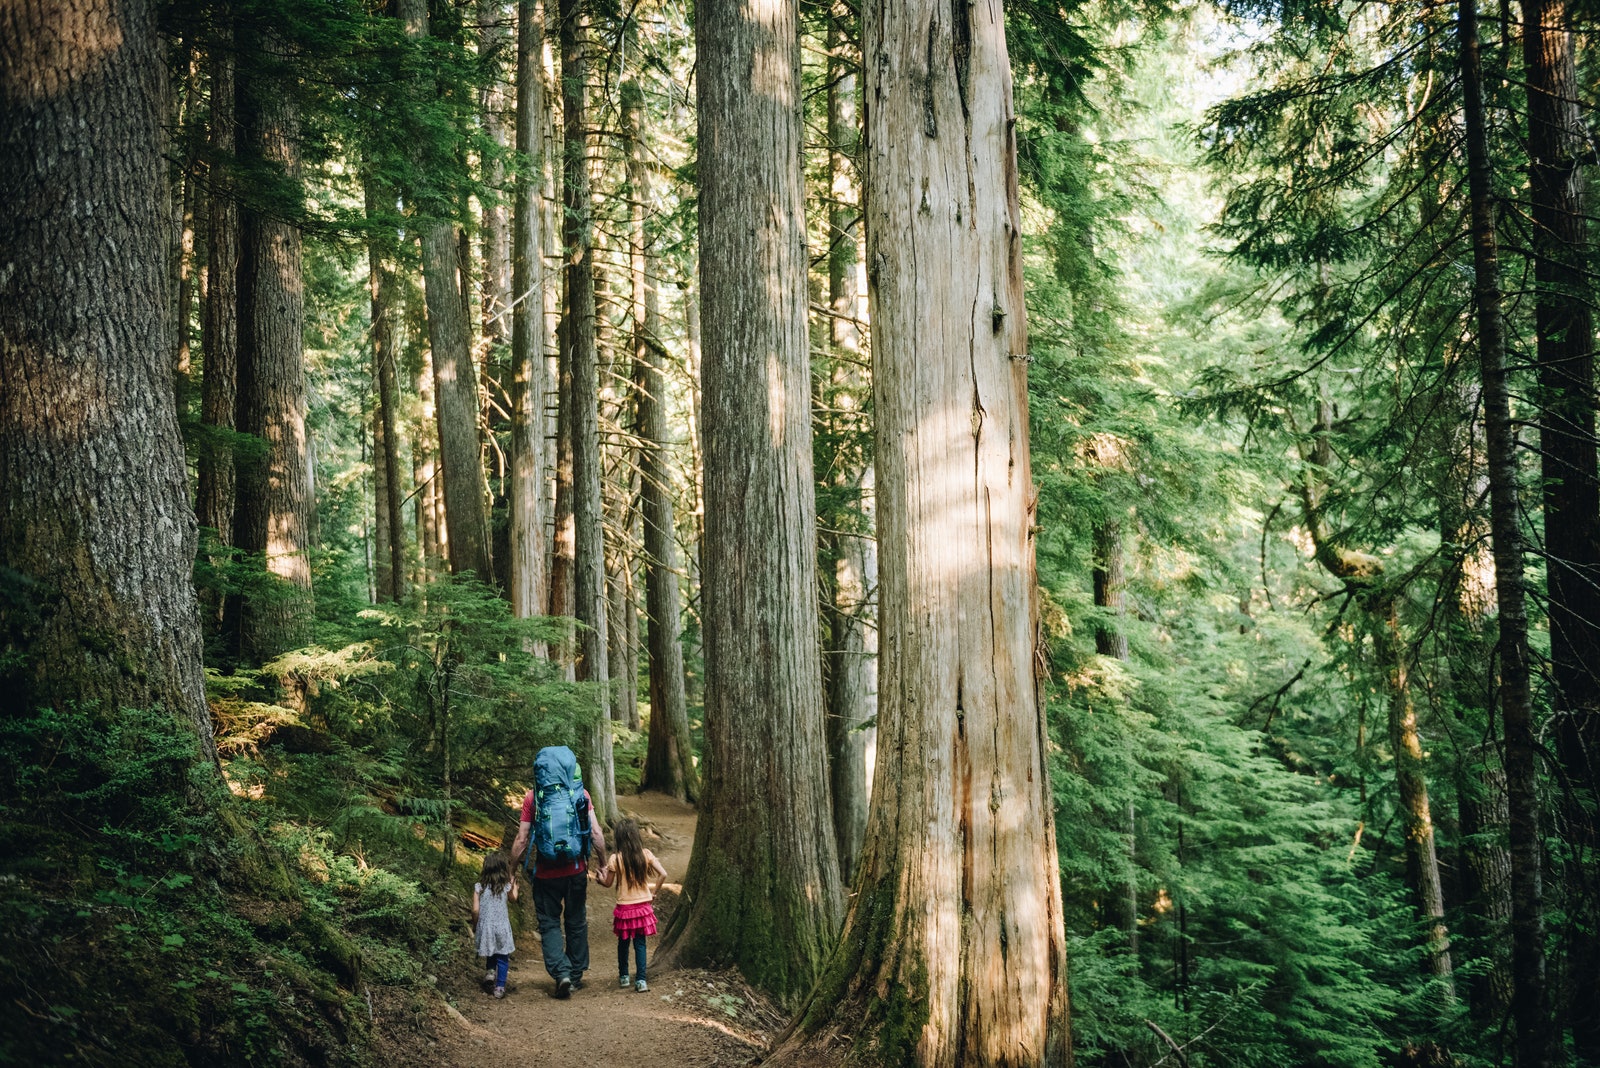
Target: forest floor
x=687 y=1019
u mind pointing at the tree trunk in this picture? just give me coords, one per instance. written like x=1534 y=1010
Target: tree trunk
x=455 y=385
x=849 y=611
x=1529 y=1001
x=1466 y=603
x=1558 y=149
x=431 y=536
x=184 y=219
x=273 y=500
x=214 y=501
x=495 y=286
x=763 y=887
x=1110 y=589
x=1110 y=596
x=954 y=951
x=618 y=495
x=1486 y=885
x=382 y=285
x=529 y=580
x=588 y=557
x=1416 y=817
x=455 y=398
x=669 y=758
x=97 y=538
x=1362 y=574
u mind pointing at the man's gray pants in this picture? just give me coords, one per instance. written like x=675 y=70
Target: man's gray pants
x=562 y=907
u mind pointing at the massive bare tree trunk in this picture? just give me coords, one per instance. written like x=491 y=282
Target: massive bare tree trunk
x=848 y=665
x=1529 y=999
x=97 y=538
x=219 y=337
x=273 y=503
x=529 y=579
x=1559 y=151
x=763 y=886
x=583 y=399
x=669 y=758
x=960 y=857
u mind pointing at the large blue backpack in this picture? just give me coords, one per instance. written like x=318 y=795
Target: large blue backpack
x=561 y=813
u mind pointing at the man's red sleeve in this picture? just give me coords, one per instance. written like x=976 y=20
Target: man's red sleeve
x=527 y=807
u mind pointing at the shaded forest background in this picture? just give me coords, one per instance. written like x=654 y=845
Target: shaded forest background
x=1311 y=411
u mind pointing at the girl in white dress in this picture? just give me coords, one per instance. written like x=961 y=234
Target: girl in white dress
x=491 y=918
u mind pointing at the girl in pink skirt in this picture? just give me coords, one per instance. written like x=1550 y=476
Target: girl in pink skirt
x=630 y=867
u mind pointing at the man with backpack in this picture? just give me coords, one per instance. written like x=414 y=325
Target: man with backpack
x=559 y=815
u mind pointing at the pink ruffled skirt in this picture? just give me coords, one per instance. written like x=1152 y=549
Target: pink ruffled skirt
x=630 y=920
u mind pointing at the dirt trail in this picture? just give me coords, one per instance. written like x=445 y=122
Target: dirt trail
x=687 y=1019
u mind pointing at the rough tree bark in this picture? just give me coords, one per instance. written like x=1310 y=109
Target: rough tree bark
x=97 y=538
x=960 y=859
x=763 y=886
x=669 y=757
x=273 y=503
x=583 y=399
x=1529 y=999
x=848 y=664
x=529 y=579
x=1560 y=152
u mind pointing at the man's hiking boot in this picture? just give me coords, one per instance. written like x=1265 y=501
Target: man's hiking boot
x=563 y=989
x=577 y=982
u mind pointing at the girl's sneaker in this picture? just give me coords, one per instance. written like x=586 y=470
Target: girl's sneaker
x=499 y=991
x=641 y=986
x=625 y=982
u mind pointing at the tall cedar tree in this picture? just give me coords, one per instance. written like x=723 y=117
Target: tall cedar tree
x=955 y=946
x=97 y=537
x=763 y=887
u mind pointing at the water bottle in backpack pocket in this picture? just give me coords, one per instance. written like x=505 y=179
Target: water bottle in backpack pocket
x=561 y=818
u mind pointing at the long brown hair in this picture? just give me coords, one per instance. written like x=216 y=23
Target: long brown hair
x=631 y=852
x=496 y=872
